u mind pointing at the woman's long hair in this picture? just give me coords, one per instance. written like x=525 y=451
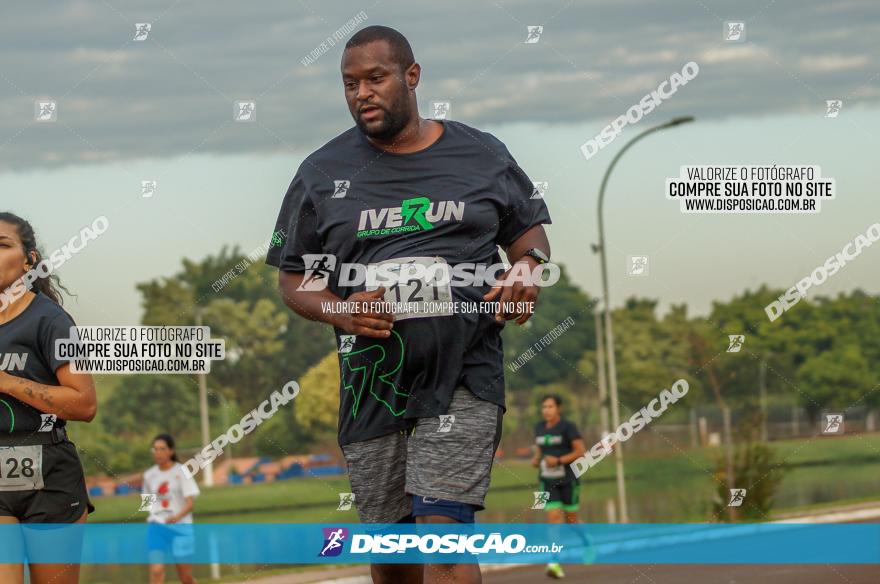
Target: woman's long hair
x=50 y=286
x=168 y=439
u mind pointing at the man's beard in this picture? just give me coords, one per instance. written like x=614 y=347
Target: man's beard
x=393 y=121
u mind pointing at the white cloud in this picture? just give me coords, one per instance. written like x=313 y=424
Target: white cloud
x=833 y=63
x=148 y=101
x=732 y=54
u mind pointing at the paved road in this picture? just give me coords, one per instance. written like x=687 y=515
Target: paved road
x=717 y=574
x=647 y=574
x=653 y=573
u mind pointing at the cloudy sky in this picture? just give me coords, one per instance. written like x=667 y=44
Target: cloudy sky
x=162 y=109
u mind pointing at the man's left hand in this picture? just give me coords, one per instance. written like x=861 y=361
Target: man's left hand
x=523 y=290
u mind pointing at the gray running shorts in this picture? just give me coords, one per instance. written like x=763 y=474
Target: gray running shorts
x=442 y=457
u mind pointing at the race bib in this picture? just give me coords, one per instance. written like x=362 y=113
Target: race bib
x=557 y=472
x=21 y=468
x=415 y=287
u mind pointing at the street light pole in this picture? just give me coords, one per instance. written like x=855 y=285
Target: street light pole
x=762 y=387
x=203 y=409
x=609 y=333
x=600 y=369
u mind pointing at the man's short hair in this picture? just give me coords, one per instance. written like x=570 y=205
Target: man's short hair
x=554 y=396
x=401 y=52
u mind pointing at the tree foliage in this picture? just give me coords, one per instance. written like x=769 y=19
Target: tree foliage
x=819 y=354
x=317 y=406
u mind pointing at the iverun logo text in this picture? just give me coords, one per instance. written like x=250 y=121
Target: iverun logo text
x=416 y=214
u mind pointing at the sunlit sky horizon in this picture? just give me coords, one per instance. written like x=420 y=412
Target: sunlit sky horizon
x=204 y=202
x=161 y=109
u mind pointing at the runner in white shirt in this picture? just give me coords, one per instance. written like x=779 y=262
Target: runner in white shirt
x=172 y=494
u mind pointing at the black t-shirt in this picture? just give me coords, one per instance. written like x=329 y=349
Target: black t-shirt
x=27 y=350
x=556 y=441
x=457 y=200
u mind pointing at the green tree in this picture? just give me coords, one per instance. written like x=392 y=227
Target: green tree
x=837 y=378
x=558 y=360
x=253 y=333
x=836 y=353
x=756 y=468
x=147 y=404
x=739 y=373
x=820 y=352
x=313 y=416
x=651 y=354
x=267 y=344
x=317 y=406
x=104 y=453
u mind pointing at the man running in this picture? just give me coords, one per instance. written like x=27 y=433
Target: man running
x=557 y=444
x=436 y=194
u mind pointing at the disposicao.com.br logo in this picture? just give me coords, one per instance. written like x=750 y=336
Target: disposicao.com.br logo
x=431 y=543
x=431 y=271
x=334 y=541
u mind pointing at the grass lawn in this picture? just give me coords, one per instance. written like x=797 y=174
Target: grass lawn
x=667 y=488
x=677 y=487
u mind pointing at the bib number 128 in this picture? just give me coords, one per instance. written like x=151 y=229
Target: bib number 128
x=18 y=468
x=21 y=468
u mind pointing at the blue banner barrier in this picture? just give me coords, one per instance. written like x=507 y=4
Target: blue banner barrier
x=272 y=543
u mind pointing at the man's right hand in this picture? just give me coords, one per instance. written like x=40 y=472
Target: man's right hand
x=367 y=315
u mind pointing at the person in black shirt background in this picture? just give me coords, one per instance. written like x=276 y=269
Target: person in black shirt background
x=41 y=478
x=557 y=444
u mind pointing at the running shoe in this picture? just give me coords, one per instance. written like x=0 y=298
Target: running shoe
x=555 y=571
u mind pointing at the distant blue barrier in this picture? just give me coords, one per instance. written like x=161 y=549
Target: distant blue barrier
x=325 y=470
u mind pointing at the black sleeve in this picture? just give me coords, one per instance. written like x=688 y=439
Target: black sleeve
x=55 y=328
x=571 y=432
x=521 y=212
x=295 y=229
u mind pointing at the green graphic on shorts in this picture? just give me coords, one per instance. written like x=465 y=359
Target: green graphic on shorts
x=364 y=365
x=415 y=209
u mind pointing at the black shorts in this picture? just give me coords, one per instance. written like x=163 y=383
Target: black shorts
x=564 y=495
x=63 y=498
